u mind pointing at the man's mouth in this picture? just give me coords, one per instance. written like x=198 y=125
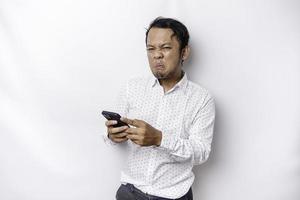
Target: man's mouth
x=159 y=66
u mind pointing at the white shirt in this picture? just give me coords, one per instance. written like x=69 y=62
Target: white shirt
x=185 y=115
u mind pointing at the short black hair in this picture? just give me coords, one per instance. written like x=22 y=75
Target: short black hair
x=179 y=29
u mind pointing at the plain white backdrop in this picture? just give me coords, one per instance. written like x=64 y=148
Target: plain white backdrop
x=62 y=62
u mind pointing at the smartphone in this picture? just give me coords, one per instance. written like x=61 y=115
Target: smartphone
x=114 y=116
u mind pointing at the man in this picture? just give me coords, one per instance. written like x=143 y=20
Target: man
x=171 y=121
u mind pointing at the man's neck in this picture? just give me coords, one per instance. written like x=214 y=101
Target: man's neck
x=168 y=84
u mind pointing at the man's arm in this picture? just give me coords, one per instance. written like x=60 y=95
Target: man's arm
x=197 y=147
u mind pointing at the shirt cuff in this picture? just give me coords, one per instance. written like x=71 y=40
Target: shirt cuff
x=167 y=141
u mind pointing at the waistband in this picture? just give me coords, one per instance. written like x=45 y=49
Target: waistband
x=152 y=197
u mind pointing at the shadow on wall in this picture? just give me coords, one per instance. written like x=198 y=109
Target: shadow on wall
x=191 y=65
x=206 y=170
x=194 y=67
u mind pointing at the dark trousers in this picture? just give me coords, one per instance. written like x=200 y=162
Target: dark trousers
x=129 y=192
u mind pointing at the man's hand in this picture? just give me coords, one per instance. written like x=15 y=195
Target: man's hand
x=116 y=134
x=143 y=134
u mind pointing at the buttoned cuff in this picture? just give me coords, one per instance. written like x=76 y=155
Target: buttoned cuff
x=167 y=141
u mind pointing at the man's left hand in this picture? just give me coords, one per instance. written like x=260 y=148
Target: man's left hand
x=142 y=133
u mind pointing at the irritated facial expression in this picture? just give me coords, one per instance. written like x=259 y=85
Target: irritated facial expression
x=163 y=51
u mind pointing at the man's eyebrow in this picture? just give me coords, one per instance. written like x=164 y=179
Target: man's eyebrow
x=163 y=44
x=167 y=43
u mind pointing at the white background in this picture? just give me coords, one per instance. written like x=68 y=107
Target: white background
x=62 y=62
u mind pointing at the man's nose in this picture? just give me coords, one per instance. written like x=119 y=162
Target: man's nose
x=158 y=54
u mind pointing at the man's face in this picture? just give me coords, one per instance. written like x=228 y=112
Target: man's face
x=163 y=53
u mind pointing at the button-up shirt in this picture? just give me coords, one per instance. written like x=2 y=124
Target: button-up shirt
x=185 y=115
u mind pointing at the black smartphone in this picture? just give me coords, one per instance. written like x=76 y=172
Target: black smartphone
x=114 y=116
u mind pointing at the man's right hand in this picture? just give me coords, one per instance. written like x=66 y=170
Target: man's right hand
x=116 y=134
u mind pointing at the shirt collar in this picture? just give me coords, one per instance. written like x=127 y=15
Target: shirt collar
x=181 y=84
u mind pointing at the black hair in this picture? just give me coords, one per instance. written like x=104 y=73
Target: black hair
x=178 y=28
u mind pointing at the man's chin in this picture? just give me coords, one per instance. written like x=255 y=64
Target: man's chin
x=160 y=76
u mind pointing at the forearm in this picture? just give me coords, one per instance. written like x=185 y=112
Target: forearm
x=197 y=145
x=195 y=148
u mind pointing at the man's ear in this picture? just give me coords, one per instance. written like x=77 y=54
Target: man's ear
x=185 y=53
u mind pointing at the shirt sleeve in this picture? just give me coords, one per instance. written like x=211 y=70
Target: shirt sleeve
x=121 y=107
x=107 y=140
x=198 y=145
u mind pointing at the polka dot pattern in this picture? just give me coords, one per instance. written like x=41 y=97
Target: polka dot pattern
x=185 y=115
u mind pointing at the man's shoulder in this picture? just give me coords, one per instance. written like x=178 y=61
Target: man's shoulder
x=199 y=92
x=197 y=88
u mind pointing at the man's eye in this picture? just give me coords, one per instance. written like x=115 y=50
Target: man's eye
x=167 y=47
x=150 y=49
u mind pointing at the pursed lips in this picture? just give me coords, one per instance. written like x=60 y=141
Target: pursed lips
x=159 y=66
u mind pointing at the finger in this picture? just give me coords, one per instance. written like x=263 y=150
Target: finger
x=132 y=131
x=117 y=129
x=133 y=122
x=120 y=135
x=118 y=140
x=127 y=120
x=133 y=137
x=110 y=122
